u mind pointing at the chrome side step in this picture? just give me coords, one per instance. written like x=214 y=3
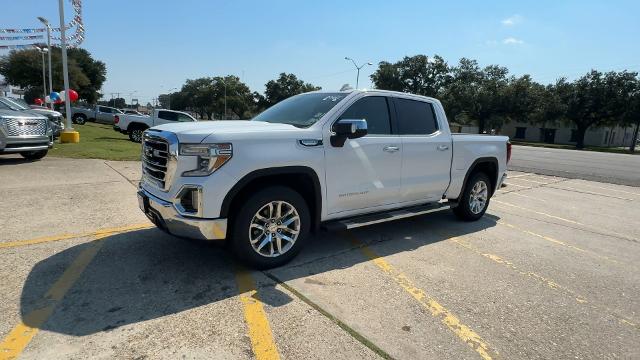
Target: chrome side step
x=376 y=218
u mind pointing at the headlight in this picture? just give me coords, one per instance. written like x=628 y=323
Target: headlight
x=210 y=157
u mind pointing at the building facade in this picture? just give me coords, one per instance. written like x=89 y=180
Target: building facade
x=611 y=136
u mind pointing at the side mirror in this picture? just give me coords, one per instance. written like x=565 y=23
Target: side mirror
x=348 y=129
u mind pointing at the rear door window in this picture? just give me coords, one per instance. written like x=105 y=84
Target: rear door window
x=168 y=115
x=375 y=110
x=415 y=117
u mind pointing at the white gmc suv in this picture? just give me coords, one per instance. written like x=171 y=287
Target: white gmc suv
x=334 y=160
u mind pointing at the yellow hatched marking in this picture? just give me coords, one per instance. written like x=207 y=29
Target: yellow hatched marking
x=101 y=232
x=22 y=334
x=438 y=311
x=536 y=212
x=264 y=347
x=550 y=283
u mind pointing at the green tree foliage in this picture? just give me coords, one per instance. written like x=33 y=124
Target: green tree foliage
x=206 y=96
x=416 y=74
x=24 y=68
x=489 y=97
x=119 y=103
x=284 y=87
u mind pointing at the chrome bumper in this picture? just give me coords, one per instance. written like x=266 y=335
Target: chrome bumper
x=164 y=215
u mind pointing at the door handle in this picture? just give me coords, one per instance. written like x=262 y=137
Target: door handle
x=391 y=149
x=443 y=147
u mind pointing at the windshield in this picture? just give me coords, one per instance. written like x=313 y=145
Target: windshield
x=301 y=110
x=12 y=105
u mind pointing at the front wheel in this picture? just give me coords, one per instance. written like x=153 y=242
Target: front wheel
x=270 y=228
x=34 y=155
x=135 y=135
x=475 y=199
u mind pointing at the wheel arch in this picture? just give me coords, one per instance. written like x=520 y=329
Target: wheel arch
x=488 y=165
x=137 y=125
x=302 y=179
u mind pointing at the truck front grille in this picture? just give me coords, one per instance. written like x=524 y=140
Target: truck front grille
x=157 y=161
x=26 y=127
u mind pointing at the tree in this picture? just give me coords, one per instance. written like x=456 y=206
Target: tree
x=119 y=103
x=477 y=95
x=596 y=99
x=286 y=86
x=417 y=74
x=24 y=68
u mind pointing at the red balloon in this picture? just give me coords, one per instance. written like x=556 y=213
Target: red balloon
x=38 y=101
x=72 y=95
x=58 y=101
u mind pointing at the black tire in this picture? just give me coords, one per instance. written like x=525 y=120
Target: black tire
x=34 y=155
x=135 y=134
x=465 y=210
x=79 y=119
x=240 y=241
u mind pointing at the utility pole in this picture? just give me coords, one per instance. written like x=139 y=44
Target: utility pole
x=44 y=76
x=68 y=135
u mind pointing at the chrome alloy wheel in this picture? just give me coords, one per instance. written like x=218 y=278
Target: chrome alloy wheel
x=274 y=229
x=136 y=135
x=478 y=197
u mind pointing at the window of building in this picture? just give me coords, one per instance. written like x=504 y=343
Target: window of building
x=520 y=132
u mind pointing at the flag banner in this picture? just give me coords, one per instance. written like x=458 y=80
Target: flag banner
x=22 y=37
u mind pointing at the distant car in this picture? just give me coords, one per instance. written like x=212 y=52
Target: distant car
x=135 y=125
x=55 y=118
x=98 y=113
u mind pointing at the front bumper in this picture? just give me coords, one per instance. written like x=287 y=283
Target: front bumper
x=165 y=216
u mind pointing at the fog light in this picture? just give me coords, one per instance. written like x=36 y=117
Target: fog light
x=189 y=200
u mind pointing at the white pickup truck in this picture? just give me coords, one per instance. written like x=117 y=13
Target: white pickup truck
x=317 y=160
x=135 y=125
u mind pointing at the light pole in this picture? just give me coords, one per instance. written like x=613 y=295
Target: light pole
x=44 y=76
x=358 y=68
x=68 y=135
x=46 y=23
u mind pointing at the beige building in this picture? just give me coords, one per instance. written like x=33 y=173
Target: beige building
x=614 y=136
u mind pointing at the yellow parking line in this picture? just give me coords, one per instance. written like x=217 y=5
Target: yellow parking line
x=264 y=347
x=22 y=334
x=568 y=188
x=100 y=232
x=556 y=241
x=438 y=311
x=536 y=182
x=536 y=212
x=542 y=279
x=610 y=189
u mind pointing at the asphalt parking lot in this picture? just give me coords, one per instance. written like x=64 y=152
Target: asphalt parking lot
x=551 y=271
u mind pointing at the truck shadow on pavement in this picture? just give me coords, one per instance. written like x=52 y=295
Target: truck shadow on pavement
x=147 y=274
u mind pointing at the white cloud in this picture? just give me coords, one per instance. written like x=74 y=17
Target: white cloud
x=512 y=20
x=512 y=41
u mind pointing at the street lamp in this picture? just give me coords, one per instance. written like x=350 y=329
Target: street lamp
x=358 y=68
x=46 y=23
x=44 y=76
x=68 y=135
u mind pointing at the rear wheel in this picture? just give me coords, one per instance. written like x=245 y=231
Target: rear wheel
x=80 y=119
x=34 y=155
x=475 y=199
x=270 y=228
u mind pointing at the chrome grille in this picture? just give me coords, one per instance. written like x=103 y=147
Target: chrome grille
x=26 y=127
x=159 y=149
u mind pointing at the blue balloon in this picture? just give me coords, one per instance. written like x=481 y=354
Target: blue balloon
x=54 y=96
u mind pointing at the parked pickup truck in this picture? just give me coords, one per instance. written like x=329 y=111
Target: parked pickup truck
x=24 y=132
x=134 y=125
x=333 y=160
x=98 y=113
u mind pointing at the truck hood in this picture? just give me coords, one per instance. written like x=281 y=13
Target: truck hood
x=195 y=132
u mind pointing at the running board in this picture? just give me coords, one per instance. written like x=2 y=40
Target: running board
x=376 y=218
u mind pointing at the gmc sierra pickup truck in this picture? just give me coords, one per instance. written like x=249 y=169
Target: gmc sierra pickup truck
x=334 y=160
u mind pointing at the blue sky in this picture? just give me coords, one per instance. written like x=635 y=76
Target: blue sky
x=151 y=46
